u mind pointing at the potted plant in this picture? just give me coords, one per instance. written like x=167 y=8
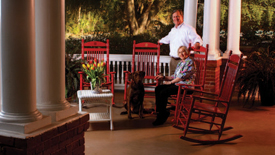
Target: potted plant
x=258 y=76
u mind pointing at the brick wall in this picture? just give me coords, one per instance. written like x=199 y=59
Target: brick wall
x=64 y=139
x=214 y=72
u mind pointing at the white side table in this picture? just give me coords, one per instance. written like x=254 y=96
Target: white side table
x=103 y=98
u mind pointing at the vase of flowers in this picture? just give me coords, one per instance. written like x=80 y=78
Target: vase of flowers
x=95 y=74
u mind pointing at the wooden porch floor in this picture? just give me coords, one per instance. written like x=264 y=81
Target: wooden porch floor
x=139 y=137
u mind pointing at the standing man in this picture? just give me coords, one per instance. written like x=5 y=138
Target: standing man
x=180 y=35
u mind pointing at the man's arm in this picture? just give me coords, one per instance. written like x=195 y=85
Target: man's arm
x=194 y=37
x=165 y=40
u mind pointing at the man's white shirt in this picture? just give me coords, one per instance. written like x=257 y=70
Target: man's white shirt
x=180 y=36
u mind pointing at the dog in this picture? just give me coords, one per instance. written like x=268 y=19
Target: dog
x=135 y=94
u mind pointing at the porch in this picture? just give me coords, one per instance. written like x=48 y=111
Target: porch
x=41 y=98
x=138 y=136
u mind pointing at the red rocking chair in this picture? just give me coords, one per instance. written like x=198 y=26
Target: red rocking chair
x=100 y=51
x=200 y=58
x=212 y=111
x=145 y=58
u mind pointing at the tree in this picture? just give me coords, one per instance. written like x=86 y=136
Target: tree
x=141 y=12
x=138 y=16
x=114 y=16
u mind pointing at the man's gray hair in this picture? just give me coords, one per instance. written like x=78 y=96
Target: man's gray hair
x=178 y=10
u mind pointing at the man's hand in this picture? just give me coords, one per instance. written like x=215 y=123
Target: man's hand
x=197 y=45
x=159 y=42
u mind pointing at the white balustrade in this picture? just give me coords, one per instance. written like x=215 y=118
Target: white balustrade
x=122 y=62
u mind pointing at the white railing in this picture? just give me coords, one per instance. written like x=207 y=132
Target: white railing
x=122 y=62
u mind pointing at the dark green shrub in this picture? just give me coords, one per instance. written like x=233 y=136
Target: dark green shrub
x=118 y=44
x=258 y=75
x=72 y=67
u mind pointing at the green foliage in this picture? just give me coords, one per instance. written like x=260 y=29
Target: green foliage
x=249 y=38
x=224 y=16
x=72 y=67
x=73 y=46
x=87 y=23
x=199 y=25
x=118 y=44
x=102 y=19
x=258 y=70
x=259 y=13
x=82 y=17
x=268 y=17
x=114 y=15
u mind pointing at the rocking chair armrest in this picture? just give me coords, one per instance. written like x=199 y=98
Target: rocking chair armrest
x=112 y=73
x=126 y=75
x=126 y=72
x=207 y=98
x=199 y=91
x=186 y=85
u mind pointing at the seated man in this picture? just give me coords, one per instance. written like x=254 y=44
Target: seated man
x=184 y=73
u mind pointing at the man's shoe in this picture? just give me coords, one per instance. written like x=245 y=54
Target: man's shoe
x=161 y=119
x=157 y=122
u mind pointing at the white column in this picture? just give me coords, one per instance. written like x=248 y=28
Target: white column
x=234 y=27
x=0 y=59
x=50 y=56
x=18 y=90
x=211 y=28
x=190 y=12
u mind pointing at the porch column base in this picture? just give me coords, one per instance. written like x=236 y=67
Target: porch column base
x=25 y=128
x=10 y=117
x=61 y=114
x=64 y=137
x=226 y=53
